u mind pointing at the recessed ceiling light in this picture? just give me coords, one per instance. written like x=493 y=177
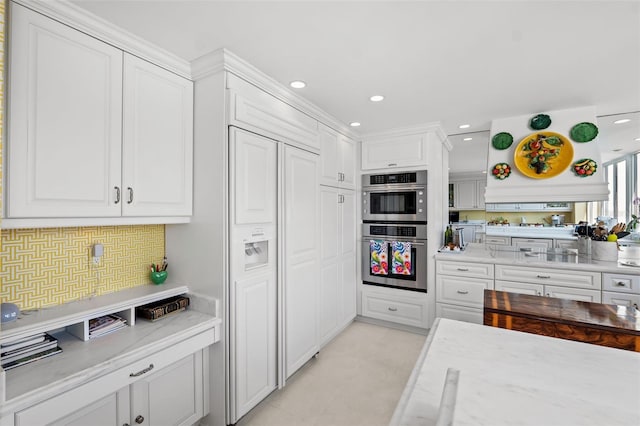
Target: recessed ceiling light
x=376 y=98
x=298 y=84
x=467 y=139
x=622 y=121
x=617 y=150
x=354 y=124
x=637 y=139
x=464 y=126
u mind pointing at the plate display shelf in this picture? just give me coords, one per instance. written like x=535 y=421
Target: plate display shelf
x=83 y=360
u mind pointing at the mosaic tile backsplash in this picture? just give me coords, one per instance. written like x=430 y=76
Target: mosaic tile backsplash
x=50 y=266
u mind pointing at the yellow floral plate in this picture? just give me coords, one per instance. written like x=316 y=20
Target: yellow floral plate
x=542 y=155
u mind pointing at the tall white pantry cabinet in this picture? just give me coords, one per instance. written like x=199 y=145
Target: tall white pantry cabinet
x=255 y=235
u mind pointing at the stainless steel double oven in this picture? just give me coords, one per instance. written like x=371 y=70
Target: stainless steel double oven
x=394 y=230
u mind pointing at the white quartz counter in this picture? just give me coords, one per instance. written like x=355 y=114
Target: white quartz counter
x=477 y=252
x=513 y=378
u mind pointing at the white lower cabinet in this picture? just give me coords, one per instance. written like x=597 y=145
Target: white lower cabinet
x=564 y=284
x=399 y=306
x=172 y=395
x=621 y=289
x=460 y=289
x=493 y=241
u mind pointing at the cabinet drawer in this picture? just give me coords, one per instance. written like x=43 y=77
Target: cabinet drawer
x=622 y=299
x=464 y=269
x=580 y=294
x=403 y=310
x=545 y=276
x=621 y=282
x=251 y=108
x=462 y=291
x=459 y=313
x=497 y=241
x=520 y=288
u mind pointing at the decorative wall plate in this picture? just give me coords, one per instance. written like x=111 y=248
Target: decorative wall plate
x=584 y=132
x=542 y=155
x=502 y=140
x=540 y=122
x=501 y=171
x=585 y=167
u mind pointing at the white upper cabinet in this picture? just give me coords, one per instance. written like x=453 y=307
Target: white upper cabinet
x=157 y=144
x=64 y=128
x=394 y=152
x=92 y=132
x=337 y=159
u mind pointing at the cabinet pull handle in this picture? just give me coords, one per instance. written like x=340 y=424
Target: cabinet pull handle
x=635 y=305
x=548 y=294
x=546 y=277
x=539 y=293
x=339 y=177
x=130 y=200
x=117 y=188
x=463 y=292
x=392 y=164
x=126 y=424
x=139 y=419
x=463 y=269
x=141 y=372
x=392 y=309
x=620 y=284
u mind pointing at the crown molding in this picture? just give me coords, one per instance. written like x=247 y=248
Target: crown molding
x=224 y=60
x=69 y=14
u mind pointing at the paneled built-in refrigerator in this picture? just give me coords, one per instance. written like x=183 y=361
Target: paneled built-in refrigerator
x=274 y=244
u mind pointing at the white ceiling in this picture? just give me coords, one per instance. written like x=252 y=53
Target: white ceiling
x=451 y=62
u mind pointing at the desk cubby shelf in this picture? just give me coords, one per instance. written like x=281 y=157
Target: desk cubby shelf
x=75 y=316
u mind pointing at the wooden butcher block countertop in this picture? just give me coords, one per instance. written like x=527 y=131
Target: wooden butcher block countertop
x=596 y=323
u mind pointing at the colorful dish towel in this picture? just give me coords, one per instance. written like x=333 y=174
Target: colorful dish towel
x=378 y=249
x=401 y=261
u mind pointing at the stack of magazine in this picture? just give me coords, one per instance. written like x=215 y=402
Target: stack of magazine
x=27 y=349
x=104 y=325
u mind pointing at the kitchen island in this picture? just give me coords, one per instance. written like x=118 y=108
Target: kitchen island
x=508 y=377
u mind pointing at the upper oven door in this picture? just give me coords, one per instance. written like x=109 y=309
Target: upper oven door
x=404 y=204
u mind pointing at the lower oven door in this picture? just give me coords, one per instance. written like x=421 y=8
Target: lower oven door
x=397 y=263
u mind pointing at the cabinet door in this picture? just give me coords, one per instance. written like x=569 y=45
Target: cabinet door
x=254 y=340
x=395 y=152
x=171 y=396
x=330 y=162
x=330 y=255
x=254 y=163
x=65 y=109
x=348 y=161
x=567 y=244
x=301 y=257
x=157 y=141
x=481 y=186
x=465 y=194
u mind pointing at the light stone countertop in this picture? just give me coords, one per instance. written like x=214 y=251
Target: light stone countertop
x=508 y=255
x=508 y=377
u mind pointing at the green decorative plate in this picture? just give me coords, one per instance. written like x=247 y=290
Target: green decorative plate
x=502 y=140
x=540 y=121
x=584 y=132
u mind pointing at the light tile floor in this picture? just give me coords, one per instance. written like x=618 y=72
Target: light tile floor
x=356 y=380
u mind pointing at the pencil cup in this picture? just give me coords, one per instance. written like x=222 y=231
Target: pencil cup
x=158 y=277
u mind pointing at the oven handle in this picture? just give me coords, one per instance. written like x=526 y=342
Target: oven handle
x=392 y=188
x=404 y=240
